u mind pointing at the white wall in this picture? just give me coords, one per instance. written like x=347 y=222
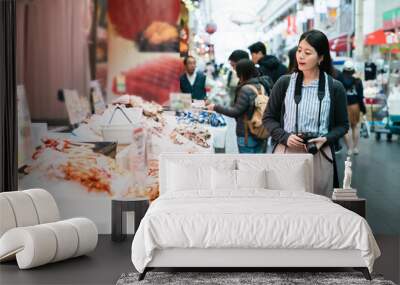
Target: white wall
x=230 y=36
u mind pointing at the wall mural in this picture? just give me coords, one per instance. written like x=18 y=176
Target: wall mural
x=113 y=152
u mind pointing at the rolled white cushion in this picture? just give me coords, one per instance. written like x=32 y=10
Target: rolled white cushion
x=23 y=208
x=37 y=245
x=87 y=234
x=67 y=239
x=7 y=218
x=33 y=246
x=45 y=205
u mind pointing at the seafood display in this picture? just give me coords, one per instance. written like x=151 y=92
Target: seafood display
x=196 y=133
x=151 y=110
x=125 y=174
x=77 y=162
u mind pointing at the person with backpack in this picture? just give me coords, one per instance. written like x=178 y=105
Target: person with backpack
x=307 y=110
x=355 y=104
x=232 y=79
x=248 y=108
x=268 y=64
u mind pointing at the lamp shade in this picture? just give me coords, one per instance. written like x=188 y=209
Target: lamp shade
x=211 y=28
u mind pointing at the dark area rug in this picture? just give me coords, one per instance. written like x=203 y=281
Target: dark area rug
x=242 y=278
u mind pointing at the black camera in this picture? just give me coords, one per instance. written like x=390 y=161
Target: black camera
x=310 y=146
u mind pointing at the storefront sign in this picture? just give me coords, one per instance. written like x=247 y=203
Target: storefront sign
x=391 y=19
x=291 y=25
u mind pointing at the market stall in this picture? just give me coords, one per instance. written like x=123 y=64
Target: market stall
x=114 y=155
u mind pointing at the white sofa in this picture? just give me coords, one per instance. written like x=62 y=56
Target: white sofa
x=32 y=233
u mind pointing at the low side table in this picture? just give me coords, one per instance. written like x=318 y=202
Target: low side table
x=358 y=206
x=139 y=205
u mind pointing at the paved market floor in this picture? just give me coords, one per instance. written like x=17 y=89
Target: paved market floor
x=376 y=176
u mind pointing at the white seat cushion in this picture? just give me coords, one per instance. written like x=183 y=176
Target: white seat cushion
x=87 y=233
x=33 y=246
x=37 y=245
x=67 y=239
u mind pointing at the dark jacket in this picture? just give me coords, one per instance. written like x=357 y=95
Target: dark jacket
x=198 y=90
x=352 y=84
x=271 y=66
x=338 y=121
x=274 y=114
x=243 y=104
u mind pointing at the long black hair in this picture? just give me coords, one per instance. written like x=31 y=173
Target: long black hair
x=320 y=43
x=246 y=70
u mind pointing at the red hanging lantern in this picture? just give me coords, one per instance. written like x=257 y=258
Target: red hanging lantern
x=211 y=28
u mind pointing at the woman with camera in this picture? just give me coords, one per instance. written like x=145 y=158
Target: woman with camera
x=307 y=110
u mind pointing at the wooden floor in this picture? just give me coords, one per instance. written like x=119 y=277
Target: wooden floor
x=110 y=260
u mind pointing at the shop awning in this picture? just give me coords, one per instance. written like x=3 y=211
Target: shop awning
x=339 y=44
x=375 y=38
x=382 y=37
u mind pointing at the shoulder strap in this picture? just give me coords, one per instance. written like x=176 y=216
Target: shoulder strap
x=297 y=96
x=330 y=86
x=252 y=87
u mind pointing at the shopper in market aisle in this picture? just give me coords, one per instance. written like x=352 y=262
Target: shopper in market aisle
x=338 y=75
x=243 y=108
x=355 y=104
x=191 y=81
x=292 y=59
x=232 y=79
x=307 y=110
x=268 y=64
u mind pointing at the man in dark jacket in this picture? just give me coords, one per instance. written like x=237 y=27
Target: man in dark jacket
x=268 y=64
x=191 y=81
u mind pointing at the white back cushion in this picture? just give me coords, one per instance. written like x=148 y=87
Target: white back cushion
x=26 y=208
x=7 y=218
x=180 y=172
x=223 y=179
x=23 y=208
x=251 y=178
x=45 y=205
x=188 y=177
x=292 y=172
x=283 y=170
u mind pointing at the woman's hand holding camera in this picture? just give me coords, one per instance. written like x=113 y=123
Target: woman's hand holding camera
x=295 y=142
x=319 y=142
x=298 y=142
